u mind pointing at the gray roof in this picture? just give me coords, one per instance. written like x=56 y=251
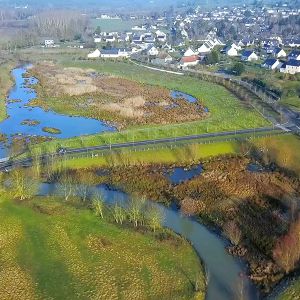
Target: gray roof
x=270 y=61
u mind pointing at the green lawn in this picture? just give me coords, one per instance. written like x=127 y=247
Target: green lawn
x=50 y=250
x=226 y=111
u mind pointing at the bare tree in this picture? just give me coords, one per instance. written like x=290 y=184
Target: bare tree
x=287 y=248
x=22 y=186
x=119 y=214
x=135 y=211
x=155 y=218
x=98 y=205
x=233 y=232
x=66 y=185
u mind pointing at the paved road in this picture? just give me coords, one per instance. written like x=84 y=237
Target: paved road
x=226 y=134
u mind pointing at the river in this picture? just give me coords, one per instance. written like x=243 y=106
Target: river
x=18 y=111
x=226 y=273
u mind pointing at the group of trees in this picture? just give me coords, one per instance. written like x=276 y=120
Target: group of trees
x=136 y=212
x=23 y=184
x=287 y=248
x=60 y=24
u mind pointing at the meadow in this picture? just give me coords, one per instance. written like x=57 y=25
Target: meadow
x=114 y=25
x=5 y=84
x=226 y=111
x=53 y=250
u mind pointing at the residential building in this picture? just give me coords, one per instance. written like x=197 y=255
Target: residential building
x=295 y=54
x=110 y=53
x=249 y=55
x=161 y=36
x=162 y=59
x=279 y=52
x=49 y=43
x=230 y=51
x=153 y=51
x=292 y=66
x=94 y=54
x=271 y=63
x=190 y=58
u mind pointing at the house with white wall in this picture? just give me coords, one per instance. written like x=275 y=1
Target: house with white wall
x=292 y=66
x=94 y=54
x=230 y=51
x=271 y=64
x=249 y=55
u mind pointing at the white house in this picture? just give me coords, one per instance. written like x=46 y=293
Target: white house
x=110 y=38
x=94 y=54
x=245 y=42
x=291 y=67
x=206 y=47
x=271 y=63
x=49 y=43
x=278 y=52
x=163 y=58
x=295 y=54
x=153 y=51
x=114 y=53
x=190 y=52
x=110 y=53
x=190 y=58
x=161 y=36
x=238 y=48
x=249 y=55
x=97 y=39
x=230 y=51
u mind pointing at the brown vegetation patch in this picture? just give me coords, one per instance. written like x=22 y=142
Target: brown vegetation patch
x=122 y=101
x=253 y=209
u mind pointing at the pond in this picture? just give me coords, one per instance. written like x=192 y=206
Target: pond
x=180 y=174
x=181 y=95
x=189 y=98
x=225 y=272
x=30 y=121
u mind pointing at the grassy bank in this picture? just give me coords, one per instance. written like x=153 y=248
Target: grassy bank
x=165 y=155
x=52 y=250
x=6 y=83
x=292 y=292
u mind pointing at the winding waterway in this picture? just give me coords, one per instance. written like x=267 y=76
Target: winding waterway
x=18 y=111
x=226 y=274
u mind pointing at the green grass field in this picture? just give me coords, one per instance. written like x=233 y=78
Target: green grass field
x=226 y=111
x=141 y=155
x=5 y=84
x=114 y=25
x=50 y=250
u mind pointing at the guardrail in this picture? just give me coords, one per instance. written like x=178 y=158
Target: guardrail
x=196 y=139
